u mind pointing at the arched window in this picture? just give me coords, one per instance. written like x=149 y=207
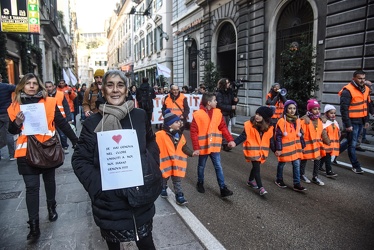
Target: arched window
x=226 y=51
x=295 y=24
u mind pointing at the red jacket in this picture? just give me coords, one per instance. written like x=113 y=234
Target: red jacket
x=194 y=130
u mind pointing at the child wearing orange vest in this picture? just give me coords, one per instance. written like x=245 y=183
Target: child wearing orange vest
x=314 y=135
x=258 y=138
x=332 y=128
x=173 y=155
x=289 y=143
x=207 y=128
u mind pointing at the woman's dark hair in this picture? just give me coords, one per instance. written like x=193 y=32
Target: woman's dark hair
x=222 y=85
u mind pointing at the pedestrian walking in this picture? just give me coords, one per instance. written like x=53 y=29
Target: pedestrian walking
x=30 y=90
x=258 y=139
x=226 y=102
x=173 y=155
x=333 y=131
x=6 y=138
x=314 y=136
x=207 y=128
x=276 y=99
x=354 y=100
x=114 y=211
x=289 y=143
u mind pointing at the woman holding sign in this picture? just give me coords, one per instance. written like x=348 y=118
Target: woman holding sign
x=29 y=94
x=122 y=189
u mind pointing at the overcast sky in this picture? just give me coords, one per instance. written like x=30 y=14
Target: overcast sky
x=91 y=14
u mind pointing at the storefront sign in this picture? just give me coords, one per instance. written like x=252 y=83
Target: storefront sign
x=189 y=26
x=20 y=16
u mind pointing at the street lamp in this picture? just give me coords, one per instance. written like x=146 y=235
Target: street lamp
x=200 y=53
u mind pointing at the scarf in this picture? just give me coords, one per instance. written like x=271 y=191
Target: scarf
x=359 y=87
x=38 y=95
x=291 y=118
x=312 y=116
x=112 y=116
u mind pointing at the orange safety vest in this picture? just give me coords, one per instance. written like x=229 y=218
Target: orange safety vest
x=332 y=130
x=255 y=147
x=279 y=108
x=173 y=162
x=291 y=144
x=21 y=144
x=313 y=140
x=59 y=99
x=69 y=97
x=210 y=137
x=358 y=108
x=172 y=105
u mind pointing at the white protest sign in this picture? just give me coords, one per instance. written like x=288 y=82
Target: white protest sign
x=120 y=163
x=35 y=119
x=192 y=100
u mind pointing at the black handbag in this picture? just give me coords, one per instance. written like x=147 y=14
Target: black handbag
x=48 y=154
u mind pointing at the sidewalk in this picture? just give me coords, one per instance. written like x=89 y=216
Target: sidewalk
x=175 y=227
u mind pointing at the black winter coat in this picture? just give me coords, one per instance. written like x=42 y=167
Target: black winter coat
x=225 y=100
x=111 y=209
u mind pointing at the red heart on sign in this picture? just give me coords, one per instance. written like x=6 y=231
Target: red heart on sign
x=117 y=138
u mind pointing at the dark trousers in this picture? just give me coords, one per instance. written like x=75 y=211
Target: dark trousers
x=255 y=173
x=32 y=183
x=63 y=138
x=145 y=243
x=316 y=165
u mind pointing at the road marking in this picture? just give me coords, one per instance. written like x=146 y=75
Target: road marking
x=205 y=237
x=347 y=165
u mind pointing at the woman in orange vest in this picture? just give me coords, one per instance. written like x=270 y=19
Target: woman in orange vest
x=333 y=131
x=258 y=139
x=315 y=136
x=289 y=143
x=30 y=90
x=173 y=155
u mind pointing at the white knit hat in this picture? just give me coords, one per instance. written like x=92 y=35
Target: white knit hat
x=328 y=107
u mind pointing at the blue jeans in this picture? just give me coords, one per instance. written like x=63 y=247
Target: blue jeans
x=216 y=160
x=296 y=171
x=351 y=142
x=63 y=138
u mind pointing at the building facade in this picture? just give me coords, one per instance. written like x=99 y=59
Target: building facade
x=245 y=38
x=46 y=54
x=140 y=38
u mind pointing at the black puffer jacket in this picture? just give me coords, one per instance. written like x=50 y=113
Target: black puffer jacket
x=111 y=209
x=225 y=100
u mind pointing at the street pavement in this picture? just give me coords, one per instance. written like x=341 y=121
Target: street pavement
x=175 y=227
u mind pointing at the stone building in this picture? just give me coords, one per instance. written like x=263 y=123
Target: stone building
x=244 y=39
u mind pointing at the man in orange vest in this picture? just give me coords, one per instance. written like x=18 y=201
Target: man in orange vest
x=354 y=100
x=70 y=95
x=177 y=103
x=276 y=99
x=64 y=108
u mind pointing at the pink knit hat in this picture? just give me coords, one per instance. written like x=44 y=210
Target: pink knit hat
x=312 y=103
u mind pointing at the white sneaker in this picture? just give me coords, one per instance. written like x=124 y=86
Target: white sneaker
x=66 y=150
x=317 y=181
x=12 y=159
x=304 y=179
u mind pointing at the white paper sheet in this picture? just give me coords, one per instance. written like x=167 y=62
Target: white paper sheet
x=35 y=119
x=120 y=163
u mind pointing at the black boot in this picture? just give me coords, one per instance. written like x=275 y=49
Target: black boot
x=34 y=230
x=52 y=211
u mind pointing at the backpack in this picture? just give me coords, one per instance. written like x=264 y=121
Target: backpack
x=146 y=101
